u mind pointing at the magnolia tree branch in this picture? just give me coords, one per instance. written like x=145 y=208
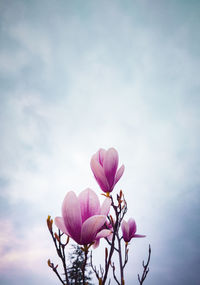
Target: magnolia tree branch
x=54 y=268
x=94 y=267
x=60 y=248
x=114 y=275
x=145 y=268
x=115 y=226
x=125 y=255
x=120 y=210
x=120 y=260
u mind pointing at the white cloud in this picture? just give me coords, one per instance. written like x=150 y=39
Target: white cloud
x=24 y=253
x=99 y=82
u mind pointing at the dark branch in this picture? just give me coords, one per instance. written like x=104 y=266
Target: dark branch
x=114 y=275
x=145 y=268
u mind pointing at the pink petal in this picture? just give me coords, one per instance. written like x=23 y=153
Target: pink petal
x=98 y=172
x=72 y=215
x=108 y=226
x=139 y=236
x=61 y=225
x=89 y=203
x=110 y=165
x=125 y=230
x=90 y=228
x=132 y=227
x=101 y=155
x=103 y=234
x=105 y=207
x=120 y=171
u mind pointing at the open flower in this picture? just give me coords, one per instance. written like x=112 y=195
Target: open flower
x=104 y=164
x=129 y=230
x=83 y=217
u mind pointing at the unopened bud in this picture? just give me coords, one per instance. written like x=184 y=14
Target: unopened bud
x=57 y=237
x=49 y=263
x=119 y=201
x=106 y=252
x=112 y=221
x=49 y=223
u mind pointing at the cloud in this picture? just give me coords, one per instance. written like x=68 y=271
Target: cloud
x=23 y=252
x=78 y=77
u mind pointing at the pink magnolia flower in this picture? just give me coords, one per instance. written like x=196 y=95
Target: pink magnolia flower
x=83 y=217
x=129 y=230
x=104 y=164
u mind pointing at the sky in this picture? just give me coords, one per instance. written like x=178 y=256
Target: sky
x=76 y=76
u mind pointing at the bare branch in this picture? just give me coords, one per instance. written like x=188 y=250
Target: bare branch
x=94 y=267
x=54 y=268
x=125 y=256
x=111 y=244
x=60 y=248
x=145 y=268
x=114 y=275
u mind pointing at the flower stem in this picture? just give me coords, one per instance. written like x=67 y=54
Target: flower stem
x=84 y=264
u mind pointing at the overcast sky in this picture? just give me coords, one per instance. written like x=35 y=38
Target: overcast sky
x=79 y=75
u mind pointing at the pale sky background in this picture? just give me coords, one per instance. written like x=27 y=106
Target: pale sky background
x=79 y=75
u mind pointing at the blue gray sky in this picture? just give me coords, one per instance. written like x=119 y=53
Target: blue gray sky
x=79 y=75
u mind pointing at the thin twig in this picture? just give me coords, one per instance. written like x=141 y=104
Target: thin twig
x=110 y=243
x=114 y=275
x=54 y=268
x=146 y=268
x=94 y=267
x=115 y=229
x=60 y=248
x=125 y=256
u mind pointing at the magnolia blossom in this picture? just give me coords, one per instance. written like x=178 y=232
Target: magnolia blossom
x=129 y=230
x=83 y=217
x=104 y=164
